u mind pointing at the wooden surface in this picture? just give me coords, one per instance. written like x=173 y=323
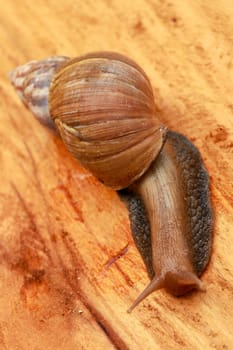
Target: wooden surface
x=69 y=269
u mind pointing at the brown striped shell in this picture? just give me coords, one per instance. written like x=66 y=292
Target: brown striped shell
x=103 y=106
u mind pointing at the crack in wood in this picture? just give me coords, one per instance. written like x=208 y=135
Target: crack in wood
x=113 y=259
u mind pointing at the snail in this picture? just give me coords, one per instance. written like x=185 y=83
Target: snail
x=103 y=107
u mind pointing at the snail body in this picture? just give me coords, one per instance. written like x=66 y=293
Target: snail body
x=103 y=107
x=175 y=193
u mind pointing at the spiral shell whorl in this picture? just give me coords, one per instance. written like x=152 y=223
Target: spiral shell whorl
x=32 y=81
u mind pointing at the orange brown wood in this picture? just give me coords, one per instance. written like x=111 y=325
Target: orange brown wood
x=68 y=266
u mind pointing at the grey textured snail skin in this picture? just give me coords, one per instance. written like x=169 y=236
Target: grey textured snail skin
x=169 y=201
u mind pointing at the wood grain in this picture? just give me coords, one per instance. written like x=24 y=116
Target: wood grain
x=69 y=269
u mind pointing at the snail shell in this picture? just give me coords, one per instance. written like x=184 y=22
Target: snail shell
x=103 y=106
